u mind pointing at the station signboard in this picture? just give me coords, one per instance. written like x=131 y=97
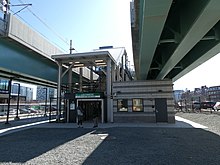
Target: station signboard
x=88 y=95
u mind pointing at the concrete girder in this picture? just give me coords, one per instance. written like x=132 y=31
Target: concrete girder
x=206 y=19
x=154 y=17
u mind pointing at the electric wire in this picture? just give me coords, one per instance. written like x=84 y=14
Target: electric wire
x=46 y=25
x=38 y=31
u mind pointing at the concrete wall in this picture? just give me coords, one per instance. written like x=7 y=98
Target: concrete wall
x=25 y=35
x=146 y=90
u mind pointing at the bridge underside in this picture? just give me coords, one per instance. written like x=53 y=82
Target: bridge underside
x=172 y=37
x=23 y=64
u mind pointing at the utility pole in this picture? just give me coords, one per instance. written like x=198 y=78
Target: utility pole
x=70 y=77
x=5 y=8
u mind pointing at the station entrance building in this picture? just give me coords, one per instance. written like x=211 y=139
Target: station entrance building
x=111 y=88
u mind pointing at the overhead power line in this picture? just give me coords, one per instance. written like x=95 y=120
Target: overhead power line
x=49 y=27
x=45 y=24
x=25 y=6
x=38 y=31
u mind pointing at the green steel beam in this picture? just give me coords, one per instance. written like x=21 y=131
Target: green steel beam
x=23 y=63
x=200 y=59
x=154 y=15
x=201 y=18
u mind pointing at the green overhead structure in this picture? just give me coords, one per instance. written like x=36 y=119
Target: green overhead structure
x=23 y=64
x=26 y=56
x=172 y=37
x=169 y=37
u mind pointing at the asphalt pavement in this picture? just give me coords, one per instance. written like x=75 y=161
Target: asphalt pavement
x=40 y=142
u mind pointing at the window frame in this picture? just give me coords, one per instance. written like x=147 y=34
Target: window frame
x=141 y=106
x=121 y=107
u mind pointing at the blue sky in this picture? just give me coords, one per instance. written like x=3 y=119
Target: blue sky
x=88 y=23
x=94 y=23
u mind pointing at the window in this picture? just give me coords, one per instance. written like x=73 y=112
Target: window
x=122 y=105
x=137 y=105
x=3 y=86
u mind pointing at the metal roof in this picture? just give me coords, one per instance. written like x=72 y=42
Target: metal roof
x=86 y=59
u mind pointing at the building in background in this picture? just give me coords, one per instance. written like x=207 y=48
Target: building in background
x=200 y=95
x=214 y=93
x=177 y=95
x=45 y=93
x=26 y=93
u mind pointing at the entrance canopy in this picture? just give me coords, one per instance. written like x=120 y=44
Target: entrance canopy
x=86 y=59
x=81 y=60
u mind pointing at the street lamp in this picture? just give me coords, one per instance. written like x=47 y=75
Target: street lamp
x=45 y=113
x=19 y=86
x=9 y=98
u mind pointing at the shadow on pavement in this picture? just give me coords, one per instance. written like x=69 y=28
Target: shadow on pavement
x=25 y=145
x=14 y=123
x=156 y=146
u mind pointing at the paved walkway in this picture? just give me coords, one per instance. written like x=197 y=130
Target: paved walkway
x=43 y=122
x=41 y=142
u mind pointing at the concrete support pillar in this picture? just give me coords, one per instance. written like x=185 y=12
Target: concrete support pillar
x=59 y=91
x=70 y=77
x=91 y=74
x=118 y=73
x=91 y=78
x=122 y=67
x=114 y=73
x=108 y=92
x=80 y=79
x=125 y=65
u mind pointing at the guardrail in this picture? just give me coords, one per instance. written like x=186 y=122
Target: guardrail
x=27 y=115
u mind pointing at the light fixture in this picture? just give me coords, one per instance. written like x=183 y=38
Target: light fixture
x=98 y=60
x=101 y=63
x=78 y=65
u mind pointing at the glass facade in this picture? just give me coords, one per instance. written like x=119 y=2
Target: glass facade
x=4 y=86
